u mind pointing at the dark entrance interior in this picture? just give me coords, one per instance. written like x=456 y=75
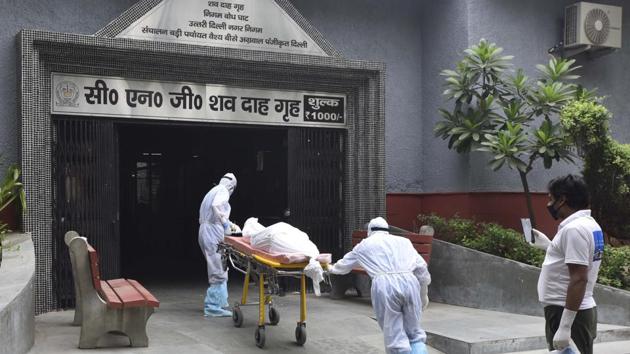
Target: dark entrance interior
x=134 y=190
x=165 y=171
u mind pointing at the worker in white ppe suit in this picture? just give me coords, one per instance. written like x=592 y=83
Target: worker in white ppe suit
x=400 y=282
x=214 y=223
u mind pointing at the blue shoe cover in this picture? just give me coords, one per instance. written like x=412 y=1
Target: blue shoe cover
x=216 y=298
x=418 y=348
x=224 y=295
x=220 y=313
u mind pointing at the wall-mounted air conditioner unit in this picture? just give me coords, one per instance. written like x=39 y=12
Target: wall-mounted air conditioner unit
x=592 y=25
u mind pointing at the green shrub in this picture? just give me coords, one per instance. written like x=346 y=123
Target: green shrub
x=615 y=268
x=485 y=237
x=507 y=243
x=453 y=230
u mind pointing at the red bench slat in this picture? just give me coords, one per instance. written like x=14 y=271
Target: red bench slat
x=417 y=238
x=422 y=244
x=419 y=241
x=116 y=283
x=422 y=248
x=151 y=300
x=359 y=234
x=109 y=295
x=127 y=293
x=359 y=270
x=96 y=274
x=119 y=293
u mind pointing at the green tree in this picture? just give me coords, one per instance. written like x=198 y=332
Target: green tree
x=606 y=163
x=506 y=114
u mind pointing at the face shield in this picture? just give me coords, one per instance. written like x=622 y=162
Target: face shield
x=377 y=224
x=229 y=181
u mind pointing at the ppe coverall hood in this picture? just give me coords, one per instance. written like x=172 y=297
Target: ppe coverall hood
x=377 y=224
x=229 y=181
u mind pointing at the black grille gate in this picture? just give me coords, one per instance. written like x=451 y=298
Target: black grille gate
x=85 y=192
x=316 y=171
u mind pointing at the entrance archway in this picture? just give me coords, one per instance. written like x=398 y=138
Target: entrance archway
x=44 y=53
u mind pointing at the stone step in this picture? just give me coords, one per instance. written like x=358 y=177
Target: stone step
x=618 y=347
x=464 y=330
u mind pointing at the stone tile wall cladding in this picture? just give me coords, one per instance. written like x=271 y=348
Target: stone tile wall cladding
x=43 y=52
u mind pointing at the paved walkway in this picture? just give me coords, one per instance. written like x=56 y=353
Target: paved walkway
x=333 y=326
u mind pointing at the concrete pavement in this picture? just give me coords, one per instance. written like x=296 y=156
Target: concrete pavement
x=179 y=327
x=333 y=326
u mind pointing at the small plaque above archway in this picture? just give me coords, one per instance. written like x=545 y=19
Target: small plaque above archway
x=264 y=25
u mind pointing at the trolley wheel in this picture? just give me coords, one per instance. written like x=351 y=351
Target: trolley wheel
x=260 y=336
x=300 y=334
x=274 y=316
x=237 y=316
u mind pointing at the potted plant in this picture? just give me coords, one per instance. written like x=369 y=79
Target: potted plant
x=10 y=190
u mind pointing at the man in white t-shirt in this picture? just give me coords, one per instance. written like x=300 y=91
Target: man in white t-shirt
x=569 y=272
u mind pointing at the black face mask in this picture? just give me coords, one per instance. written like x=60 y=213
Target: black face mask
x=553 y=211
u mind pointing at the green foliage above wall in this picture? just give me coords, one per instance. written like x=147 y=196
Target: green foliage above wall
x=485 y=237
x=507 y=243
x=606 y=163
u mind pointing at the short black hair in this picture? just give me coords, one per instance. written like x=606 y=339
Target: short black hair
x=572 y=188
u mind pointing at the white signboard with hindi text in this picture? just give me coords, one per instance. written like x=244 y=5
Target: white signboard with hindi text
x=118 y=97
x=241 y=24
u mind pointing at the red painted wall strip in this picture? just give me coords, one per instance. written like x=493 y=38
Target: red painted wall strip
x=503 y=208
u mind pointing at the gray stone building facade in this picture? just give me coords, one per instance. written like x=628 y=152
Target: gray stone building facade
x=386 y=55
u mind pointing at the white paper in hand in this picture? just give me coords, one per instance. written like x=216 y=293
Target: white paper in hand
x=527 y=229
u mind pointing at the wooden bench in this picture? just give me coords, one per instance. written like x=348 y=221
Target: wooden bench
x=102 y=306
x=359 y=279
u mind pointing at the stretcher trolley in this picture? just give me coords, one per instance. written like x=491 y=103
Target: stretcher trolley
x=268 y=268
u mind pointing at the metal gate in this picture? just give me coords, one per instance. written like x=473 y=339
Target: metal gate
x=85 y=197
x=316 y=170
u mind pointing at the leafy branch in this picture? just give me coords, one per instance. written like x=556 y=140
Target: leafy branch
x=505 y=113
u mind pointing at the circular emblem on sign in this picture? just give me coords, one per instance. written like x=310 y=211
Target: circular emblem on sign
x=67 y=94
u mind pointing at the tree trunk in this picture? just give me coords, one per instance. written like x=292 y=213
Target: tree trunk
x=528 y=198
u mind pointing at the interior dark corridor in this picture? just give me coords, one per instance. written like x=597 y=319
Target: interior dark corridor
x=165 y=171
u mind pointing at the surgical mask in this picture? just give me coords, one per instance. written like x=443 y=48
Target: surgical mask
x=553 y=211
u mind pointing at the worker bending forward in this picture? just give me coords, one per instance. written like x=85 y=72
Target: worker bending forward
x=400 y=282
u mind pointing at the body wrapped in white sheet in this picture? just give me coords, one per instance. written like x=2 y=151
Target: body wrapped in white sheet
x=282 y=238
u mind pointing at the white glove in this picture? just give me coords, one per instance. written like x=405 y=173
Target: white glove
x=424 y=295
x=563 y=334
x=541 y=240
x=329 y=267
x=234 y=229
